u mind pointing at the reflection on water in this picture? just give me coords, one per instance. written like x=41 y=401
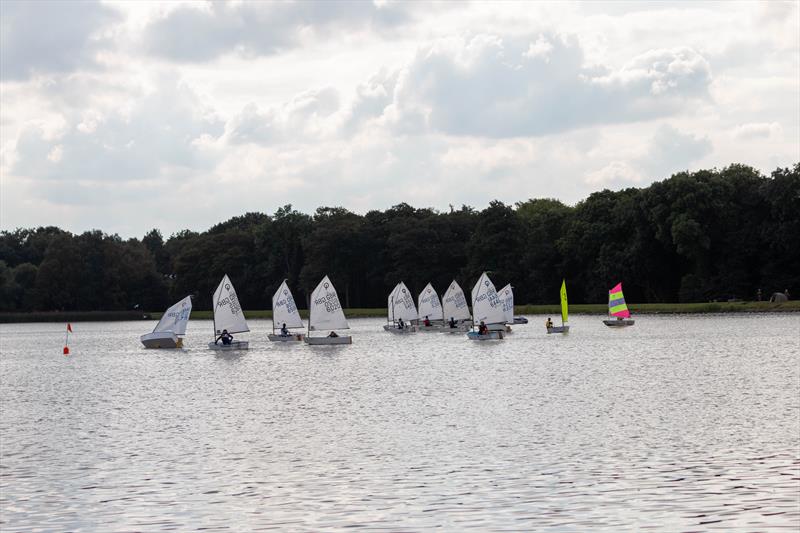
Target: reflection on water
x=680 y=423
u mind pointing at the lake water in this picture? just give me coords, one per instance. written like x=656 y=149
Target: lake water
x=680 y=423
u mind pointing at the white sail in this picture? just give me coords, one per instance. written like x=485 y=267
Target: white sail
x=325 y=311
x=401 y=304
x=507 y=296
x=429 y=304
x=454 y=304
x=284 y=310
x=390 y=304
x=228 y=312
x=487 y=306
x=176 y=317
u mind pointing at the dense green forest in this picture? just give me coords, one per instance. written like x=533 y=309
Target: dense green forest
x=706 y=235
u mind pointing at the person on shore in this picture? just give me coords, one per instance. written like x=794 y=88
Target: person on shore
x=427 y=322
x=549 y=323
x=284 y=330
x=225 y=337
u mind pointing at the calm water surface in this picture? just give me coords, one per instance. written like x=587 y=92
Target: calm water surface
x=681 y=423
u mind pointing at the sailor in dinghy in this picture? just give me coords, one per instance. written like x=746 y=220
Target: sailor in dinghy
x=618 y=309
x=228 y=317
x=455 y=308
x=326 y=314
x=401 y=311
x=285 y=313
x=487 y=308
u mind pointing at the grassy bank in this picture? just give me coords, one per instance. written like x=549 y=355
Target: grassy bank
x=592 y=309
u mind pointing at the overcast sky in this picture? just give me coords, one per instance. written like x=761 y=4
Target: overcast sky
x=129 y=116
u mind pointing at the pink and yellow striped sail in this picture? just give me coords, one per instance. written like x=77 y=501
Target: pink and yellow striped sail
x=616 y=303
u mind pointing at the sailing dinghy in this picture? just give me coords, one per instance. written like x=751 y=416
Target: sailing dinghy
x=618 y=308
x=169 y=331
x=507 y=298
x=285 y=314
x=400 y=310
x=487 y=309
x=564 y=327
x=455 y=310
x=228 y=316
x=430 y=309
x=326 y=314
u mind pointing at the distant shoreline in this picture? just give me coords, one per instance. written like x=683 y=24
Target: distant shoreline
x=576 y=309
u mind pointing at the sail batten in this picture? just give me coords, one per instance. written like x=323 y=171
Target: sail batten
x=284 y=309
x=325 y=310
x=228 y=312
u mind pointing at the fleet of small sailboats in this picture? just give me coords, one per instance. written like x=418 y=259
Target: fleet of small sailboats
x=618 y=309
x=285 y=316
x=492 y=312
x=228 y=318
x=169 y=331
x=325 y=314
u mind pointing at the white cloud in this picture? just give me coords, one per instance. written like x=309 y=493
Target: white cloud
x=757 y=130
x=236 y=106
x=49 y=36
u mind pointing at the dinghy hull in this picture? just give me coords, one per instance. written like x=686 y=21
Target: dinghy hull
x=292 y=337
x=492 y=335
x=394 y=329
x=235 y=345
x=619 y=323
x=558 y=329
x=322 y=341
x=161 y=339
x=520 y=320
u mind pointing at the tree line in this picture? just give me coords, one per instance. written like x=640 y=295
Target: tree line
x=699 y=236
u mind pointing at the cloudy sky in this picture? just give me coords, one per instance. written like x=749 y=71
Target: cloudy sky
x=129 y=116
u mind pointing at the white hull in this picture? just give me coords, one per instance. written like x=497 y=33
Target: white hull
x=320 y=341
x=161 y=339
x=492 y=335
x=558 y=329
x=520 y=320
x=463 y=328
x=432 y=327
x=394 y=329
x=291 y=337
x=619 y=323
x=235 y=345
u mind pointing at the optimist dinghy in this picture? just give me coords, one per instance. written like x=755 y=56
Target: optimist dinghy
x=169 y=331
x=326 y=314
x=487 y=308
x=228 y=315
x=430 y=309
x=285 y=313
x=401 y=310
x=455 y=310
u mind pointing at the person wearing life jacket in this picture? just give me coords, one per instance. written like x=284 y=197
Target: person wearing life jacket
x=225 y=337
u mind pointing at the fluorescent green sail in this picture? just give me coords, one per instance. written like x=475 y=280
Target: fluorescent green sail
x=564 y=307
